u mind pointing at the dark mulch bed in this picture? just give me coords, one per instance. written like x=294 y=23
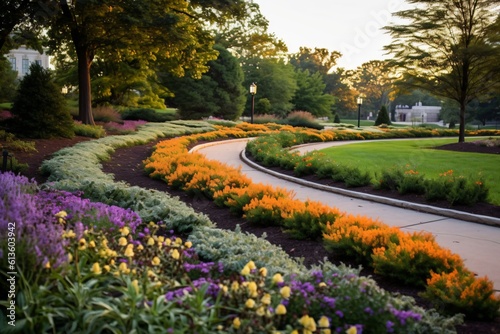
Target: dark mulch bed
x=126 y=165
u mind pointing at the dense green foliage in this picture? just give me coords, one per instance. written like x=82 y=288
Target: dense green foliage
x=218 y=93
x=383 y=117
x=39 y=107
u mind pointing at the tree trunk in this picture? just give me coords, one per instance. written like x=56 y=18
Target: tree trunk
x=84 y=90
x=461 y=131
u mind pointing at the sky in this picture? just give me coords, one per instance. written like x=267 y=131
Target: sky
x=352 y=27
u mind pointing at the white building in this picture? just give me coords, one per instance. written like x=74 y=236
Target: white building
x=417 y=113
x=22 y=58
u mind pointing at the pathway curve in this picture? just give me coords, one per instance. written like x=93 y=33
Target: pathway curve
x=477 y=244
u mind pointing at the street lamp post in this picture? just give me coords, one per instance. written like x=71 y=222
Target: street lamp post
x=253 y=91
x=360 y=102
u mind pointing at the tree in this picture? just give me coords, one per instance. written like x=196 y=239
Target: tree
x=8 y=79
x=248 y=35
x=344 y=95
x=446 y=47
x=39 y=107
x=219 y=92
x=310 y=94
x=170 y=32
x=383 y=117
x=374 y=82
x=276 y=84
x=21 y=22
x=320 y=60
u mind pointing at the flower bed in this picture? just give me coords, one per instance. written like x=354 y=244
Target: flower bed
x=102 y=270
x=82 y=293
x=388 y=250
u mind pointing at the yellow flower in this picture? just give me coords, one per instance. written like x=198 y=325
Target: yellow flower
x=91 y=244
x=251 y=265
x=280 y=309
x=125 y=231
x=82 y=244
x=263 y=272
x=178 y=241
x=308 y=323
x=122 y=241
x=352 y=330
x=47 y=265
x=266 y=299
x=61 y=217
x=135 y=284
x=236 y=323
x=277 y=278
x=70 y=257
x=155 y=261
x=151 y=273
x=106 y=267
x=69 y=234
x=252 y=289
x=96 y=268
x=245 y=271
x=322 y=285
x=235 y=286
x=129 y=251
x=140 y=247
x=223 y=288
x=161 y=238
x=175 y=254
x=123 y=268
x=285 y=292
x=168 y=242
x=324 y=323
x=250 y=303
x=261 y=311
x=151 y=241
x=188 y=244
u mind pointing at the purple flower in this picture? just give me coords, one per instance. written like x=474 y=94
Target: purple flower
x=389 y=326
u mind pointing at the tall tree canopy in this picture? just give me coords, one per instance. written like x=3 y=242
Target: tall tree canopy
x=373 y=80
x=317 y=60
x=276 y=84
x=171 y=32
x=219 y=92
x=310 y=95
x=445 y=46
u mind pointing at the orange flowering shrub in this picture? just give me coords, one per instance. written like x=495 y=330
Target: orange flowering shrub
x=269 y=210
x=413 y=258
x=357 y=236
x=459 y=291
x=308 y=219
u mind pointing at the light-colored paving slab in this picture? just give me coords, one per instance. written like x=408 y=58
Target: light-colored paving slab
x=477 y=244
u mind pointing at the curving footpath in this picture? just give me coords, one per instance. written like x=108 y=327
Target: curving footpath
x=477 y=244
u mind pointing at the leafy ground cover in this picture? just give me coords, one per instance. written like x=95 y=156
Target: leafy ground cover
x=134 y=177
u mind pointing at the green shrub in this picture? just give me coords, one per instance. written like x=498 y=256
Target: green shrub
x=302 y=119
x=383 y=117
x=354 y=177
x=87 y=130
x=106 y=114
x=39 y=107
x=146 y=114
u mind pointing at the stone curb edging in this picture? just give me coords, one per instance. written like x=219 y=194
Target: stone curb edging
x=379 y=199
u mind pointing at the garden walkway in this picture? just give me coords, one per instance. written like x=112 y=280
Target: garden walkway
x=477 y=244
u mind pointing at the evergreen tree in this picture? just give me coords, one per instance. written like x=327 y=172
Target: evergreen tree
x=39 y=107
x=383 y=117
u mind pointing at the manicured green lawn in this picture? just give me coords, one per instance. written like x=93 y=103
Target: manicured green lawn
x=420 y=156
